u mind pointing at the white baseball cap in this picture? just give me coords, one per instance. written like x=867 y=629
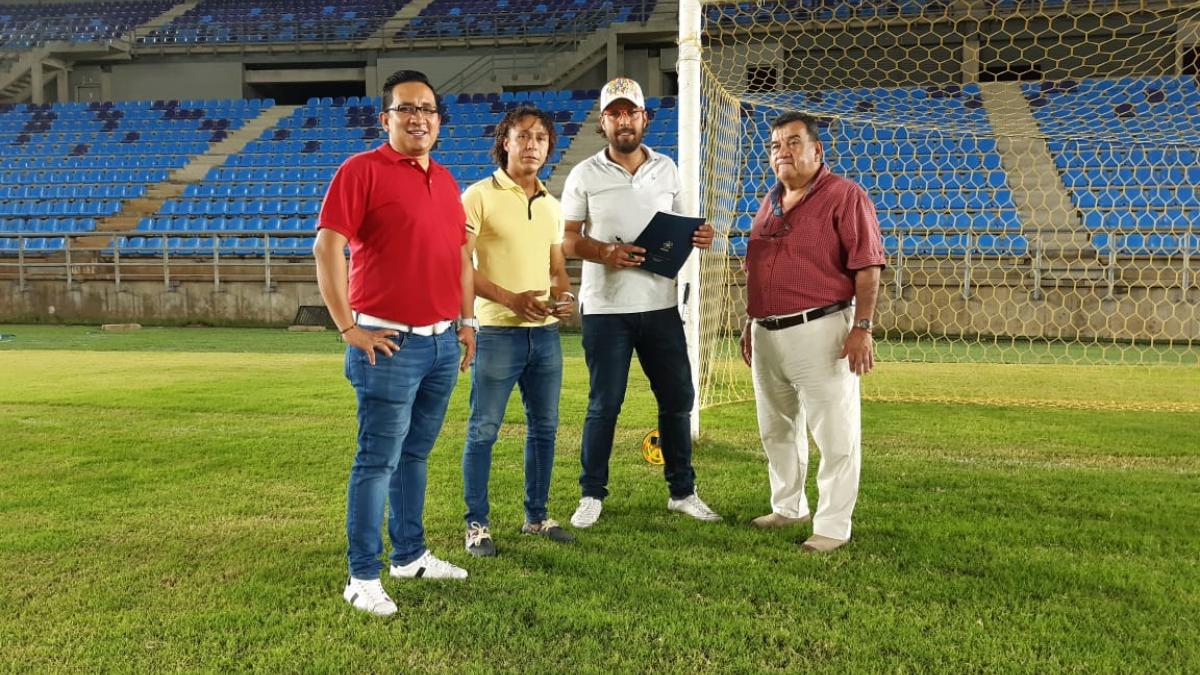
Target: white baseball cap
x=622 y=88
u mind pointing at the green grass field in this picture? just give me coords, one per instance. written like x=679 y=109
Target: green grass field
x=173 y=499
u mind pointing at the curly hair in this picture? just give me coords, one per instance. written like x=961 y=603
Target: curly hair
x=512 y=117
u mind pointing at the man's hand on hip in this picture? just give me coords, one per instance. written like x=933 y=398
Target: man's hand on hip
x=371 y=340
x=859 y=349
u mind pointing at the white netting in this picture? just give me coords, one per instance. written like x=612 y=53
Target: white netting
x=1034 y=167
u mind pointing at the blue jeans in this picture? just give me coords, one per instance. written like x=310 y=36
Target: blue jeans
x=609 y=341
x=531 y=358
x=402 y=402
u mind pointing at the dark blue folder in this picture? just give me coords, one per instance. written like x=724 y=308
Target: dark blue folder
x=668 y=242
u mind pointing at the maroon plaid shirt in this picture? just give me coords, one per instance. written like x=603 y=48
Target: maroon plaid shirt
x=807 y=257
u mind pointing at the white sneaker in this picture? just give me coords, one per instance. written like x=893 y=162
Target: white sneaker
x=428 y=567
x=694 y=507
x=369 y=596
x=588 y=512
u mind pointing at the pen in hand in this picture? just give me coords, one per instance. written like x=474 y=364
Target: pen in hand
x=626 y=255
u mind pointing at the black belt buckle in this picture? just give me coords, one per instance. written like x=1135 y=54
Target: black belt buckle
x=810 y=315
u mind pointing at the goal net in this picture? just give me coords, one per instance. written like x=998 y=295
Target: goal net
x=1034 y=167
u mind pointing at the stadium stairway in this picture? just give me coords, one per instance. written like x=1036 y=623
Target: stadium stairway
x=1042 y=201
x=165 y=18
x=135 y=209
x=232 y=145
x=16 y=83
x=399 y=21
x=585 y=144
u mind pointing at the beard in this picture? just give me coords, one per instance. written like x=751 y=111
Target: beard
x=626 y=146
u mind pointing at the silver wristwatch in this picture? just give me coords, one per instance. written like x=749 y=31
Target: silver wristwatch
x=865 y=324
x=471 y=323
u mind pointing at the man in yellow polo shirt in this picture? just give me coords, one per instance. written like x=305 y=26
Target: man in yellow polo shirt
x=515 y=229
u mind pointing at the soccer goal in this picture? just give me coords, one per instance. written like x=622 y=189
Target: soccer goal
x=1034 y=166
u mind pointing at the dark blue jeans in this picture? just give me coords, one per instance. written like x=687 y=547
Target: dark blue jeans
x=402 y=402
x=609 y=341
x=531 y=358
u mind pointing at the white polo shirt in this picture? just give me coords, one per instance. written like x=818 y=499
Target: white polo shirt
x=617 y=206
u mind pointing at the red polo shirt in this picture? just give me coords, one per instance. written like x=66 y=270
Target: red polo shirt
x=406 y=228
x=807 y=257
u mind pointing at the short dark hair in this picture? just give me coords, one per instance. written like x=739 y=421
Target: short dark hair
x=810 y=123
x=512 y=117
x=402 y=76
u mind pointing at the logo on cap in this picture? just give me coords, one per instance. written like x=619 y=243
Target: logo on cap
x=622 y=88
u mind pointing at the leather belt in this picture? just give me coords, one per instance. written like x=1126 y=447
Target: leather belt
x=430 y=330
x=802 y=317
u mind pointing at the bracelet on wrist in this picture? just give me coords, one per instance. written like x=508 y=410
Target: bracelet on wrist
x=348 y=329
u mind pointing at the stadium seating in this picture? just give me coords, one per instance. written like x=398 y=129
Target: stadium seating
x=275 y=185
x=264 y=21
x=34 y=24
x=466 y=18
x=65 y=166
x=739 y=14
x=662 y=131
x=1146 y=244
x=1144 y=182
x=32 y=246
x=937 y=193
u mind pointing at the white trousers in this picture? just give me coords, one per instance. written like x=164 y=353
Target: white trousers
x=800 y=384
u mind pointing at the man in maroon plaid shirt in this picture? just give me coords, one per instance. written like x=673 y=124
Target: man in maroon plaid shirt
x=812 y=266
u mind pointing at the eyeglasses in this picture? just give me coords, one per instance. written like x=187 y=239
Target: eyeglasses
x=618 y=114
x=411 y=111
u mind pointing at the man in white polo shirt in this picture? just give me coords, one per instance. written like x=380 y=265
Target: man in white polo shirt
x=607 y=201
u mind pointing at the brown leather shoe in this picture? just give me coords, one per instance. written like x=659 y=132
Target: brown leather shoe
x=822 y=544
x=776 y=520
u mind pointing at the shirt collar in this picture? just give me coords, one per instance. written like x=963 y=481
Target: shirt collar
x=776 y=193
x=505 y=182
x=395 y=156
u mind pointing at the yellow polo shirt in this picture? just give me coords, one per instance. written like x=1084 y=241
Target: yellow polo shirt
x=513 y=236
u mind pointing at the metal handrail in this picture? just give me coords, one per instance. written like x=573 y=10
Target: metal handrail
x=112 y=256
x=272 y=258
x=8 y=45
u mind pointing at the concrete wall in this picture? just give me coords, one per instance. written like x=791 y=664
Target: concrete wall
x=438 y=66
x=175 y=80
x=237 y=303
x=1139 y=313
x=221 y=77
x=89 y=84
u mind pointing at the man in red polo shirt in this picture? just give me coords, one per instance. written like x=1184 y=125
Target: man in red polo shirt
x=409 y=280
x=812 y=266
